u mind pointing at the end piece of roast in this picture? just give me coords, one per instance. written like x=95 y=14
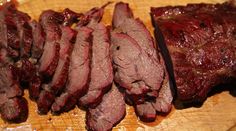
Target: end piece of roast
x=108 y=113
x=198 y=44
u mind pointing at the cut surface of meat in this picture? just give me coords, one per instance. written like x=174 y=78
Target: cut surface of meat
x=200 y=40
x=146 y=72
x=101 y=66
x=108 y=113
x=79 y=71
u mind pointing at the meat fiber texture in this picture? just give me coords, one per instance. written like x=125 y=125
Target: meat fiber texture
x=79 y=72
x=199 y=46
x=101 y=76
x=137 y=65
x=108 y=113
x=143 y=73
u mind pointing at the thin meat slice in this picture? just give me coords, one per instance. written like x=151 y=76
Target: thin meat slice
x=50 y=21
x=198 y=43
x=38 y=39
x=101 y=66
x=108 y=113
x=79 y=72
x=61 y=73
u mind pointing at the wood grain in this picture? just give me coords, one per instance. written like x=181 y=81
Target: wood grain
x=218 y=113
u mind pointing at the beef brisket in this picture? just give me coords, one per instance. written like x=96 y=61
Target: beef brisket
x=79 y=72
x=198 y=43
x=108 y=113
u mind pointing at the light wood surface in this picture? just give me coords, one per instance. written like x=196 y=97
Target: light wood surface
x=218 y=113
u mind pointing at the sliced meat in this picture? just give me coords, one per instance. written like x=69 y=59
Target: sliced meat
x=45 y=100
x=149 y=76
x=145 y=111
x=198 y=43
x=38 y=40
x=134 y=70
x=13 y=107
x=35 y=87
x=108 y=113
x=61 y=73
x=14 y=110
x=101 y=66
x=121 y=13
x=50 y=21
x=79 y=72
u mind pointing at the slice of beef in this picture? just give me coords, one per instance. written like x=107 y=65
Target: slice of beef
x=108 y=113
x=134 y=70
x=121 y=13
x=198 y=44
x=15 y=110
x=150 y=73
x=45 y=100
x=79 y=72
x=38 y=39
x=145 y=111
x=61 y=73
x=50 y=21
x=13 y=107
x=101 y=66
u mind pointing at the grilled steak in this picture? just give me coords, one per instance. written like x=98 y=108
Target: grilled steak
x=198 y=42
x=108 y=113
x=79 y=72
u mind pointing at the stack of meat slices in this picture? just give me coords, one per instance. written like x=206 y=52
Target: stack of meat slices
x=137 y=65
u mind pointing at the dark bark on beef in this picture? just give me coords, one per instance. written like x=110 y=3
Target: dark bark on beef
x=38 y=40
x=101 y=66
x=45 y=100
x=70 y=16
x=14 y=110
x=149 y=76
x=50 y=21
x=79 y=72
x=92 y=16
x=35 y=87
x=200 y=39
x=108 y=113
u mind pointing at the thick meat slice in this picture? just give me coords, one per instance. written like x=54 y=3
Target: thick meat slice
x=108 y=113
x=200 y=40
x=38 y=40
x=101 y=66
x=79 y=72
x=50 y=21
x=35 y=87
x=150 y=78
x=134 y=70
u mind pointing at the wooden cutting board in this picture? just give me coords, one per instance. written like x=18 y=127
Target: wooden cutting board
x=218 y=113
